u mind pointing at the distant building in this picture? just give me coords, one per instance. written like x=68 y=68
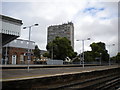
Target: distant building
x=64 y=30
x=16 y=51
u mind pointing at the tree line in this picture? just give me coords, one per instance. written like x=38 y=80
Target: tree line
x=60 y=48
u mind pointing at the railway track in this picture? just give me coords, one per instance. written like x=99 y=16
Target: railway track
x=101 y=79
x=104 y=82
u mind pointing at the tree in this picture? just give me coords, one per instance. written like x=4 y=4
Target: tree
x=116 y=58
x=99 y=50
x=88 y=56
x=37 y=52
x=60 y=48
x=46 y=55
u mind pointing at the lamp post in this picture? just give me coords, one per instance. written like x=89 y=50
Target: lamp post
x=109 y=52
x=29 y=42
x=100 y=58
x=80 y=57
x=83 y=48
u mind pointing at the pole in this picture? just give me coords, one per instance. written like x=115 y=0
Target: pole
x=83 y=49
x=109 y=56
x=52 y=52
x=29 y=54
x=83 y=52
x=29 y=47
x=6 y=56
x=100 y=58
x=110 y=52
x=80 y=57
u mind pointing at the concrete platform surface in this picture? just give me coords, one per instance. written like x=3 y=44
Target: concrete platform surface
x=42 y=66
x=21 y=74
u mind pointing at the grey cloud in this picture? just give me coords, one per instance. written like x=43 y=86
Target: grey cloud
x=51 y=13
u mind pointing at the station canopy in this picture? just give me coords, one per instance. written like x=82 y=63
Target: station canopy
x=9 y=29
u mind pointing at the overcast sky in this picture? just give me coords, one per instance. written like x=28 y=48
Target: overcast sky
x=96 y=20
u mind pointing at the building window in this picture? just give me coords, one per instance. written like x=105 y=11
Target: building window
x=21 y=57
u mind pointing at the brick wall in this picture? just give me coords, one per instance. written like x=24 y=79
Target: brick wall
x=18 y=52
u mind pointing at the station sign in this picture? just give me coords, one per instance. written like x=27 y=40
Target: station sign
x=28 y=54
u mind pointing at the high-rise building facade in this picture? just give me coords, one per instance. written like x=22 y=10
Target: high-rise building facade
x=64 y=30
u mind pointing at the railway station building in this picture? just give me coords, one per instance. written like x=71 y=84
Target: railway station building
x=16 y=52
x=10 y=29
